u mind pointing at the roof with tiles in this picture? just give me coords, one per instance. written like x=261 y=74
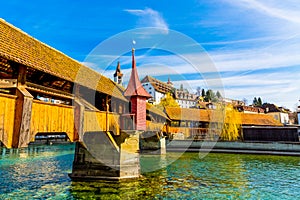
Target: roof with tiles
x=250 y=109
x=158 y=85
x=214 y=116
x=19 y=47
x=259 y=120
x=269 y=107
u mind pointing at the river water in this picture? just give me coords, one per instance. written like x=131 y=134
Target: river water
x=41 y=172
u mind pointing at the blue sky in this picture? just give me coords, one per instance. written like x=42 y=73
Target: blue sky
x=254 y=45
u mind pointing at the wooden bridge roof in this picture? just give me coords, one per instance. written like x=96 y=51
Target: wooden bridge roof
x=259 y=120
x=154 y=110
x=188 y=114
x=205 y=115
x=18 y=46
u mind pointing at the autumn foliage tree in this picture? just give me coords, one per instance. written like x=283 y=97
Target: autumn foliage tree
x=168 y=101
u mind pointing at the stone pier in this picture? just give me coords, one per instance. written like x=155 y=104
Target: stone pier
x=102 y=157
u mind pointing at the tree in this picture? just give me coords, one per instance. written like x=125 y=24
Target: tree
x=218 y=94
x=207 y=96
x=254 y=101
x=259 y=102
x=232 y=124
x=168 y=101
x=210 y=96
x=203 y=92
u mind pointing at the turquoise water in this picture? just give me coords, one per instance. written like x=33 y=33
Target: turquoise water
x=40 y=172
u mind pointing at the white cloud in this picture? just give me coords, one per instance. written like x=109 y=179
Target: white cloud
x=149 y=18
x=286 y=10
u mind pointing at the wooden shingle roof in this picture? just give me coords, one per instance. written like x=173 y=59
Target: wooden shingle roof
x=259 y=120
x=188 y=114
x=154 y=110
x=18 y=46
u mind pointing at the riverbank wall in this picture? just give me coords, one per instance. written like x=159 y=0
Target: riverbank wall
x=270 y=148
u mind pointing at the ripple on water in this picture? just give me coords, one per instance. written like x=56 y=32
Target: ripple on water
x=41 y=173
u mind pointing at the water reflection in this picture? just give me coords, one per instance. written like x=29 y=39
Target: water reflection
x=41 y=172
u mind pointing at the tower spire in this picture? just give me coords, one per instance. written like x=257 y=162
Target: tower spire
x=118 y=75
x=135 y=87
x=169 y=81
x=138 y=96
x=133 y=60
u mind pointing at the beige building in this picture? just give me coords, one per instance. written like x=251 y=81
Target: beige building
x=279 y=113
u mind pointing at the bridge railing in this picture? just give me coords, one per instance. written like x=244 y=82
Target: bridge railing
x=189 y=133
x=154 y=126
x=101 y=121
x=7 y=113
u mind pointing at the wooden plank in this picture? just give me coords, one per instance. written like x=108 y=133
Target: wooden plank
x=2 y=118
x=53 y=118
x=7 y=111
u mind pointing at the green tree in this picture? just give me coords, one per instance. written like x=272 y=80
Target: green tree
x=254 y=101
x=203 y=92
x=259 y=102
x=218 y=94
x=210 y=96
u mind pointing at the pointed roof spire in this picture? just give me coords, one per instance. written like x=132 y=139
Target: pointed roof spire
x=118 y=70
x=169 y=81
x=135 y=87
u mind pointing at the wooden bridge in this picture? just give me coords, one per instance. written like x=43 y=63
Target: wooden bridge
x=44 y=91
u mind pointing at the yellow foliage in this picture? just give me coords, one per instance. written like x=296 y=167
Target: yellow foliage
x=168 y=101
x=232 y=124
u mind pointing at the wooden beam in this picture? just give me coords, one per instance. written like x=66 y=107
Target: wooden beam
x=21 y=80
x=78 y=120
x=22 y=119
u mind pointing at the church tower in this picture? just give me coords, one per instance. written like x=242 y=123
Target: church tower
x=169 y=81
x=137 y=95
x=118 y=75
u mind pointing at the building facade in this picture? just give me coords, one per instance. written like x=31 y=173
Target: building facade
x=156 y=88
x=280 y=114
x=185 y=99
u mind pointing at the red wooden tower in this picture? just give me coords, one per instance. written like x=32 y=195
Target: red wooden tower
x=138 y=96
